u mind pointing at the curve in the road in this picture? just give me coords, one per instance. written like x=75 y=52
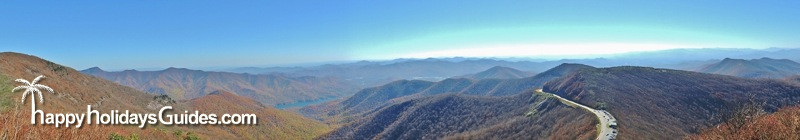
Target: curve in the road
x=608 y=124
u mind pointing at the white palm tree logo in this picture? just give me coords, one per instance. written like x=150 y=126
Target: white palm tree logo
x=32 y=88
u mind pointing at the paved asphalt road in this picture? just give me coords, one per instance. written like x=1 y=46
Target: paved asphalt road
x=606 y=132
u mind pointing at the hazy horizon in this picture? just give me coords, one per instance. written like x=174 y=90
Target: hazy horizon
x=743 y=53
x=83 y=34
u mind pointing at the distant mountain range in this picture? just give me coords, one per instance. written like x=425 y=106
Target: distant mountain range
x=755 y=68
x=367 y=74
x=375 y=73
x=676 y=56
x=271 y=89
x=458 y=108
x=652 y=103
x=399 y=91
x=498 y=72
x=74 y=90
x=437 y=98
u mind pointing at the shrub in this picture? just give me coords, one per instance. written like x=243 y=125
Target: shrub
x=115 y=136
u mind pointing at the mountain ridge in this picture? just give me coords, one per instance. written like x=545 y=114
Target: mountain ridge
x=653 y=103
x=755 y=68
x=75 y=90
x=398 y=91
x=459 y=116
x=498 y=72
x=183 y=84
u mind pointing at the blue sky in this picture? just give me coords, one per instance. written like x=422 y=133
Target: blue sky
x=157 y=34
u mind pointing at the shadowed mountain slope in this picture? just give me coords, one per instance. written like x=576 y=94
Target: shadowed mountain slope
x=654 y=103
x=455 y=116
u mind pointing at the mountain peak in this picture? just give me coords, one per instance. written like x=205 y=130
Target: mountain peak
x=499 y=72
x=12 y=54
x=496 y=68
x=755 y=68
x=573 y=65
x=21 y=56
x=93 y=70
x=221 y=92
x=174 y=68
x=732 y=59
x=567 y=67
x=179 y=70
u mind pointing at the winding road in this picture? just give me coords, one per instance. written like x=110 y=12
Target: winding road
x=608 y=124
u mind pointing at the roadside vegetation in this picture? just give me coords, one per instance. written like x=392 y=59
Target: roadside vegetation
x=652 y=103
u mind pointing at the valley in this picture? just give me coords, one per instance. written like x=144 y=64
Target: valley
x=400 y=70
x=567 y=101
x=301 y=104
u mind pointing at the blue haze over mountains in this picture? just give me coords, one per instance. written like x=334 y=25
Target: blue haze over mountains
x=478 y=97
x=373 y=73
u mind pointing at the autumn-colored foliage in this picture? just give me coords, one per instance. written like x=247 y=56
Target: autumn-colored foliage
x=270 y=89
x=74 y=91
x=781 y=125
x=456 y=116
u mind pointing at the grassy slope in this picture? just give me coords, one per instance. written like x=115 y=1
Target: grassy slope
x=5 y=93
